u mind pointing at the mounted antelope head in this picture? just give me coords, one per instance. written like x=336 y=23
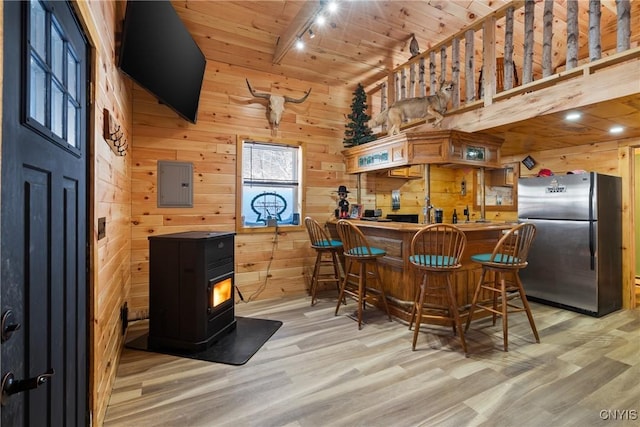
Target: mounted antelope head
x=276 y=104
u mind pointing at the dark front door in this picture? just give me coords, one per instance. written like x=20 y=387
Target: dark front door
x=44 y=217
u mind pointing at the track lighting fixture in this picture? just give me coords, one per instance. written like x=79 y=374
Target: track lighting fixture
x=319 y=20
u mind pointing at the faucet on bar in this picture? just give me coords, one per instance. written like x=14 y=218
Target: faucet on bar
x=427 y=210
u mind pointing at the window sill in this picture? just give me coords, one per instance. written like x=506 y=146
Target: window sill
x=264 y=229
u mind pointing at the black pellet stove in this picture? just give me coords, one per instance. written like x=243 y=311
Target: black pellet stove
x=191 y=289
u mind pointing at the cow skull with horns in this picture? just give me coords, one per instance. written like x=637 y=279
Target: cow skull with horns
x=276 y=104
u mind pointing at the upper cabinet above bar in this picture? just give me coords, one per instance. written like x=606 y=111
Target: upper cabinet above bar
x=445 y=147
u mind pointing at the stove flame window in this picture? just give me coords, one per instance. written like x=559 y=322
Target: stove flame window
x=219 y=291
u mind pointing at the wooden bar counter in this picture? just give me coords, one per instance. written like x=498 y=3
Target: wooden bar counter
x=398 y=276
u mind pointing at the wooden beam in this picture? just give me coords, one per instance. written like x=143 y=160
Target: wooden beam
x=298 y=26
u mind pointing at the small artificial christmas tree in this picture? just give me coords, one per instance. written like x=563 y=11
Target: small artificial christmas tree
x=357 y=131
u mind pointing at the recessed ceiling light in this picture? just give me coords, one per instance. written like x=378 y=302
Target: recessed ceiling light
x=320 y=20
x=333 y=6
x=299 y=44
x=616 y=129
x=573 y=116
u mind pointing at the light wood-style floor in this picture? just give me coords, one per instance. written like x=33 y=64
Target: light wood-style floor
x=319 y=370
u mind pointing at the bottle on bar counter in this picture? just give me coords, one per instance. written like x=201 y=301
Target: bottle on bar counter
x=455 y=217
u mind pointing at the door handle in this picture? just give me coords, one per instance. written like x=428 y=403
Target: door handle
x=9 y=325
x=12 y=386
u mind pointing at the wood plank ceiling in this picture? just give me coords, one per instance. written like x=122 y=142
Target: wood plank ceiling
x=365 y=39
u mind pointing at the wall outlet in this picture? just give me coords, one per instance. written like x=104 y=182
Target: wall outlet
x=102 y=227
x=463 y=188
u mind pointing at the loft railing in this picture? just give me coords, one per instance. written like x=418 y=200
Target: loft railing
x=501 y=55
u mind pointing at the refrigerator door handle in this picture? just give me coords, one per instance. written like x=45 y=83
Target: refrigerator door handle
x=592 y=249
x=591 y=246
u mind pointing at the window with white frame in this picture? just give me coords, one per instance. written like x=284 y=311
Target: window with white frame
x=271 y=184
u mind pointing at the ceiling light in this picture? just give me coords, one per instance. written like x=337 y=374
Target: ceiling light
x=616 y=129
x=311 y=33
x=573 y=116
x=320 y=19
x=332 y=6
x=299 y=44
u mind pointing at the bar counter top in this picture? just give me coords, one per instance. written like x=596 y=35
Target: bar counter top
x=412 y=228
x=400 y=278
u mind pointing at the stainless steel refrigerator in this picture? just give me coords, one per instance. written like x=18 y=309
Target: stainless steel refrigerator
x=575 y=260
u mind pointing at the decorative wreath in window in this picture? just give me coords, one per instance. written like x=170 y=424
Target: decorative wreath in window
x=268 y=205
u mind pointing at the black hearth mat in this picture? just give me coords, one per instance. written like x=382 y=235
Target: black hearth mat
x=234 y=348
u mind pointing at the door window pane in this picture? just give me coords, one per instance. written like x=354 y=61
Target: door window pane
x=37 y=92
x=72 y=120
x=57 y=53
x=57 y=111
x=38 y=28
x=72 y=75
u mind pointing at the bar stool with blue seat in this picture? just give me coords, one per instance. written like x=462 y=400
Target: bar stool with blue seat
x=361 y=264
x=324 y=246
x=508 y=257
x=436 y=251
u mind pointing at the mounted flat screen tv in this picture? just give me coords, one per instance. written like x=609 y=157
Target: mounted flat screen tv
x=160 y=55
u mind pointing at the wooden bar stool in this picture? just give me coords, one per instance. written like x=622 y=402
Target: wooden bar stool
x=362 y=258
x=508 y=257
x=326 y=256
x=436 y=251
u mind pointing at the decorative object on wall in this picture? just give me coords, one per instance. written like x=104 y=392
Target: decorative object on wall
x=276 y=105
x=414 y=48
x=395 y=200
x=416 y=108
x=529 y=162
x=358 y=131
x=113 y=135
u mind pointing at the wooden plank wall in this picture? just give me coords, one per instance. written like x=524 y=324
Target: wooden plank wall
x=267 y=265
x=110 y=197
x=599 y=157
x=445 y=192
